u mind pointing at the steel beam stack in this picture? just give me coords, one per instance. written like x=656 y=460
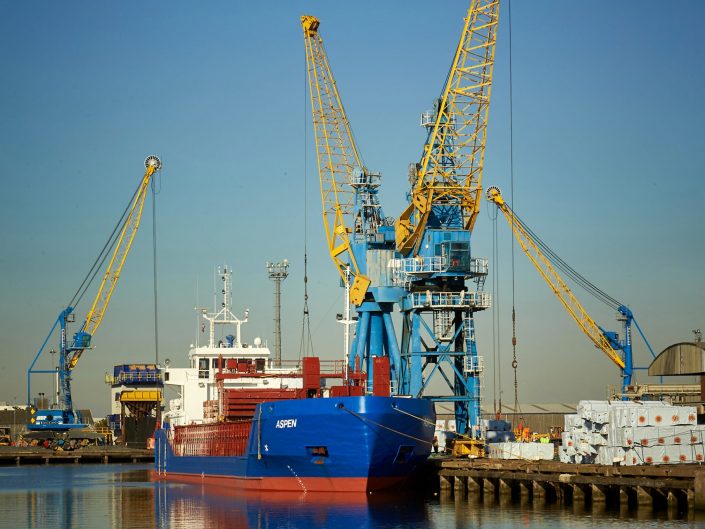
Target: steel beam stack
x=632 y=433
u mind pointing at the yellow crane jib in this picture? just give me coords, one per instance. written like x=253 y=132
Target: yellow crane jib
x=337 y=157
x=554 y=281
x=310 y=25
x=117 y=260
x=450 y=172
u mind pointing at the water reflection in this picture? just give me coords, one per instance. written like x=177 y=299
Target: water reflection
x=76 y=496
x=124 y=497
x=211 y=507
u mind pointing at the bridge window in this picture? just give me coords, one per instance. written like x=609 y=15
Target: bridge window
x=203 y=368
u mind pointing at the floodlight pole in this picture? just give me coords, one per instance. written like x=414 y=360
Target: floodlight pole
x=277 y=272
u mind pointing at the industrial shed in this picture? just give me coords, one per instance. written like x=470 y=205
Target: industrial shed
x=537 y=417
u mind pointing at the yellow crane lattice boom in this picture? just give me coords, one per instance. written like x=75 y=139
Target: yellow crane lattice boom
x=554 y=281
x=450 y=171
x=337 y=157
x=117 y=260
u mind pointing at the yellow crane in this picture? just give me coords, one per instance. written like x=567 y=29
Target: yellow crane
x=528 y=244
x=117 y=261
x=450 y=171
x=360 y=238
x=433 y=233
x=338 y=160
x=120 y=241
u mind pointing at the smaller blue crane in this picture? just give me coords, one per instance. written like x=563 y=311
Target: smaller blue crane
x=64 y=417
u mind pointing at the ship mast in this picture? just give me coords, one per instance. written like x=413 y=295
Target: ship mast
x=225 y=315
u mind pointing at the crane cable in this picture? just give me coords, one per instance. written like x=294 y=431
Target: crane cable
x=568 y=270
x=103 y=255
x=156 y=189
x=306 y=344
x=496 y=342
x=515 y=363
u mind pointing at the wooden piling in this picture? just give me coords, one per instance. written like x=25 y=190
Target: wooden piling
x=644 y=488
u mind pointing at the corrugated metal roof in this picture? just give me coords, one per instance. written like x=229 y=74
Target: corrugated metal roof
x=686 y=358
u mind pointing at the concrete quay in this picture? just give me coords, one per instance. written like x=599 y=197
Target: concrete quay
x=32 y=455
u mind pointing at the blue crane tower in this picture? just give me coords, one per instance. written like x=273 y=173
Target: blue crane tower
x=433 y=234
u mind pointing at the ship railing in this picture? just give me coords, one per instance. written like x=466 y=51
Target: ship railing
x=328 y=367
x=134 y=378
x=213 y=439
x=474 y=365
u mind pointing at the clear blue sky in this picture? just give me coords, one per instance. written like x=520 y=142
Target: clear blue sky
x=608 y=157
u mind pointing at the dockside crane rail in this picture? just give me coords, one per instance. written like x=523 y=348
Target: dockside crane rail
x=546 y=261
x=120 y=241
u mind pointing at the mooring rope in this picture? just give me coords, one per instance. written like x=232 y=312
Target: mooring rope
x=426 y=421
x=365 y=419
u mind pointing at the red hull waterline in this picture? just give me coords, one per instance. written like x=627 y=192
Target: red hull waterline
x=292 y=484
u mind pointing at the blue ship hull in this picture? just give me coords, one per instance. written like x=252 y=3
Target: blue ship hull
x=321 y=444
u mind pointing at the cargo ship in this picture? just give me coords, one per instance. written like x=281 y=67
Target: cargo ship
x=243 y=420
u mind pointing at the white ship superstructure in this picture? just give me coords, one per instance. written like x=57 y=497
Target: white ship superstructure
x=196 y=384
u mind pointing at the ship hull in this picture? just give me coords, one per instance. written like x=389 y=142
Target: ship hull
x=346 y=444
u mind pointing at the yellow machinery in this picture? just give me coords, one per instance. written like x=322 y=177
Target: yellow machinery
x=471 y=448
x=360 y=238
x=433 y=233
x=117 y=260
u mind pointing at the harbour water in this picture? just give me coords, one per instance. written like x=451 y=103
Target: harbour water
x=123 y=496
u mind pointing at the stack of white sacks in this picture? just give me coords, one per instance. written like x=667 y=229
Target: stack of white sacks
x=632 y=433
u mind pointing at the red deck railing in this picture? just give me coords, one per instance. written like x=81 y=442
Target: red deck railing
x=222 y=439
